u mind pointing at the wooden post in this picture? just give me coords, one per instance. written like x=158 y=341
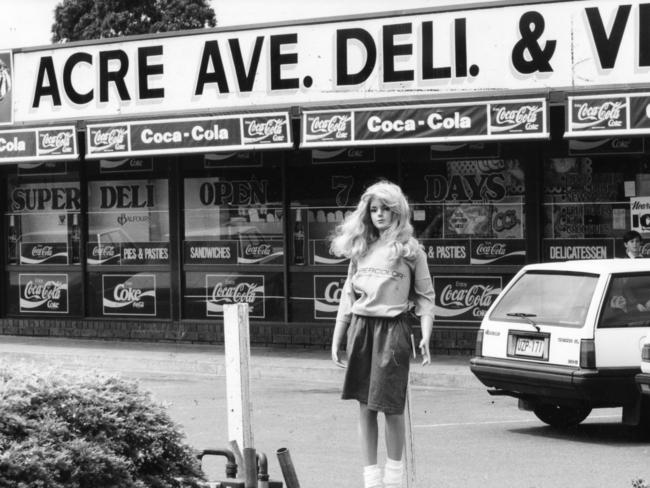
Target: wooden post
x=409 y=454
x=237 y=358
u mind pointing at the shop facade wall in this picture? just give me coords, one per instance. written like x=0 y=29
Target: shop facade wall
x=298 y=185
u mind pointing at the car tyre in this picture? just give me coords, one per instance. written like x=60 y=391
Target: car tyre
x=561 y=416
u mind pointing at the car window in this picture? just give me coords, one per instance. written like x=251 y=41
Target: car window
x=548 y=298
x=627 y=301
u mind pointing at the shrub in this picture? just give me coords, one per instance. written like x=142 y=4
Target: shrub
x=72 y=430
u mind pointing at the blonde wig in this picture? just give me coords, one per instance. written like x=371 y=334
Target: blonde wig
x=355 y=234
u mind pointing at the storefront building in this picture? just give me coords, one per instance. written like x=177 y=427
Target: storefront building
x=148 y=181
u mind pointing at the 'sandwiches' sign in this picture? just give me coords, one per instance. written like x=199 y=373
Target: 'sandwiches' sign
x=512 y=119
x=186 y=135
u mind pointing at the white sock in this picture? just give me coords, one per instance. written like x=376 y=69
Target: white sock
x=393 y=473
x=372 y=476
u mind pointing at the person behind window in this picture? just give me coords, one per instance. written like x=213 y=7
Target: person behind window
x=388 y=271
x=632 y=244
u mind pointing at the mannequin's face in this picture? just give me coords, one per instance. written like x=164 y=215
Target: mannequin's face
x=380 y=215
x=633 y=247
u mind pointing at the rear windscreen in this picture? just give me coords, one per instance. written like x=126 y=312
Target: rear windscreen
x=627 y=302
x=547 y=298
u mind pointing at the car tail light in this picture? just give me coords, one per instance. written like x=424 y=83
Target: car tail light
x=479 y=343
x=645 y=353
x=587 y=353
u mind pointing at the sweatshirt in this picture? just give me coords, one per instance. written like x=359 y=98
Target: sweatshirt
x=376 y=287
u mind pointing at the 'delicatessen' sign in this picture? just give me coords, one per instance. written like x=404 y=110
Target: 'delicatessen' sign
x=511 y=119
x=529 y=47
x=609 y=115
x=186 y=135
x=47 y=143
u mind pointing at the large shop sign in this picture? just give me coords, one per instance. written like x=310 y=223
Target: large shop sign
x=38 y=144
x=186 y=135
x=485 y=120
x=530 y=47
x=609 y=115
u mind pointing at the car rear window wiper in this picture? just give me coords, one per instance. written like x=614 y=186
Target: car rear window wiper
x=526 y=317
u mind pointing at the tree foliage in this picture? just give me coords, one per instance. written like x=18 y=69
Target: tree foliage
x=76 y=20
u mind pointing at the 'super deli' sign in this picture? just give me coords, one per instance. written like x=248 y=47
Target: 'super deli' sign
x=530 y=47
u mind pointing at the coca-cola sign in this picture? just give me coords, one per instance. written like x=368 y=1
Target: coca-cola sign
x=226 y=289
x=498 y=251
x=56 y=142
x=103 y=253
x=327 y=127
x=327 y=295
x=465 y=298
x=599 y=114
x=129 y=294
x=43 y=293
x=442 y=122
x=108 y=138
x=513 y=118
x=44 y=253
x=260 y=252
x=266 y=130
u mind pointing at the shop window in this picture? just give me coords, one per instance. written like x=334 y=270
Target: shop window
x=233 y=240
x=42 y=217
x=589 y=199
x=128 y=242
x=468 y=211
x=128 y=222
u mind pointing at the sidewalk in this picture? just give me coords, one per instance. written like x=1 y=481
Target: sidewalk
x=308 y=364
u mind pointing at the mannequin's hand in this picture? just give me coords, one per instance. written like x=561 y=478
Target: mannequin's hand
x=338 y=356
x=426 y=353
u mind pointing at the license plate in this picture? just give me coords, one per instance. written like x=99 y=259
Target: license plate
x=530 y=347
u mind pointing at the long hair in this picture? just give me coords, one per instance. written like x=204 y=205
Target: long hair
x=355 y=234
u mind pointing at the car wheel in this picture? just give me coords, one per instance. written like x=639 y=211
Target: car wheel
x=561 y=416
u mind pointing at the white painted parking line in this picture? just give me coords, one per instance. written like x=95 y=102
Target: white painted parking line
x=489 y=422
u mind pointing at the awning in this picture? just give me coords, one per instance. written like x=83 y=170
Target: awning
x=426 y=123
x=265 y=130
x=38 y=144
x=608 y=115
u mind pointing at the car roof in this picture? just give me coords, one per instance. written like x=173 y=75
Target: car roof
x=596 y=266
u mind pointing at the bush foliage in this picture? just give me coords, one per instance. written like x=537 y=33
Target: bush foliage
x=71 y=430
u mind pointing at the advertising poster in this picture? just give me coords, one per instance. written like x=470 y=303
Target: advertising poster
x=43 y=293
x=228 y=289
x=6 y=88
x=640 y=214
x=327 y=295
x=129 y=295
x=464 y=298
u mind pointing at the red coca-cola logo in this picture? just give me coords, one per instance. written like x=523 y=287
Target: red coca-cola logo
x=236 y=293
x=42 y=251
x=113 y=138
x=477 y=295
x=491 y=249
x=607 y=111
x=43 y=290
x=337 y=124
